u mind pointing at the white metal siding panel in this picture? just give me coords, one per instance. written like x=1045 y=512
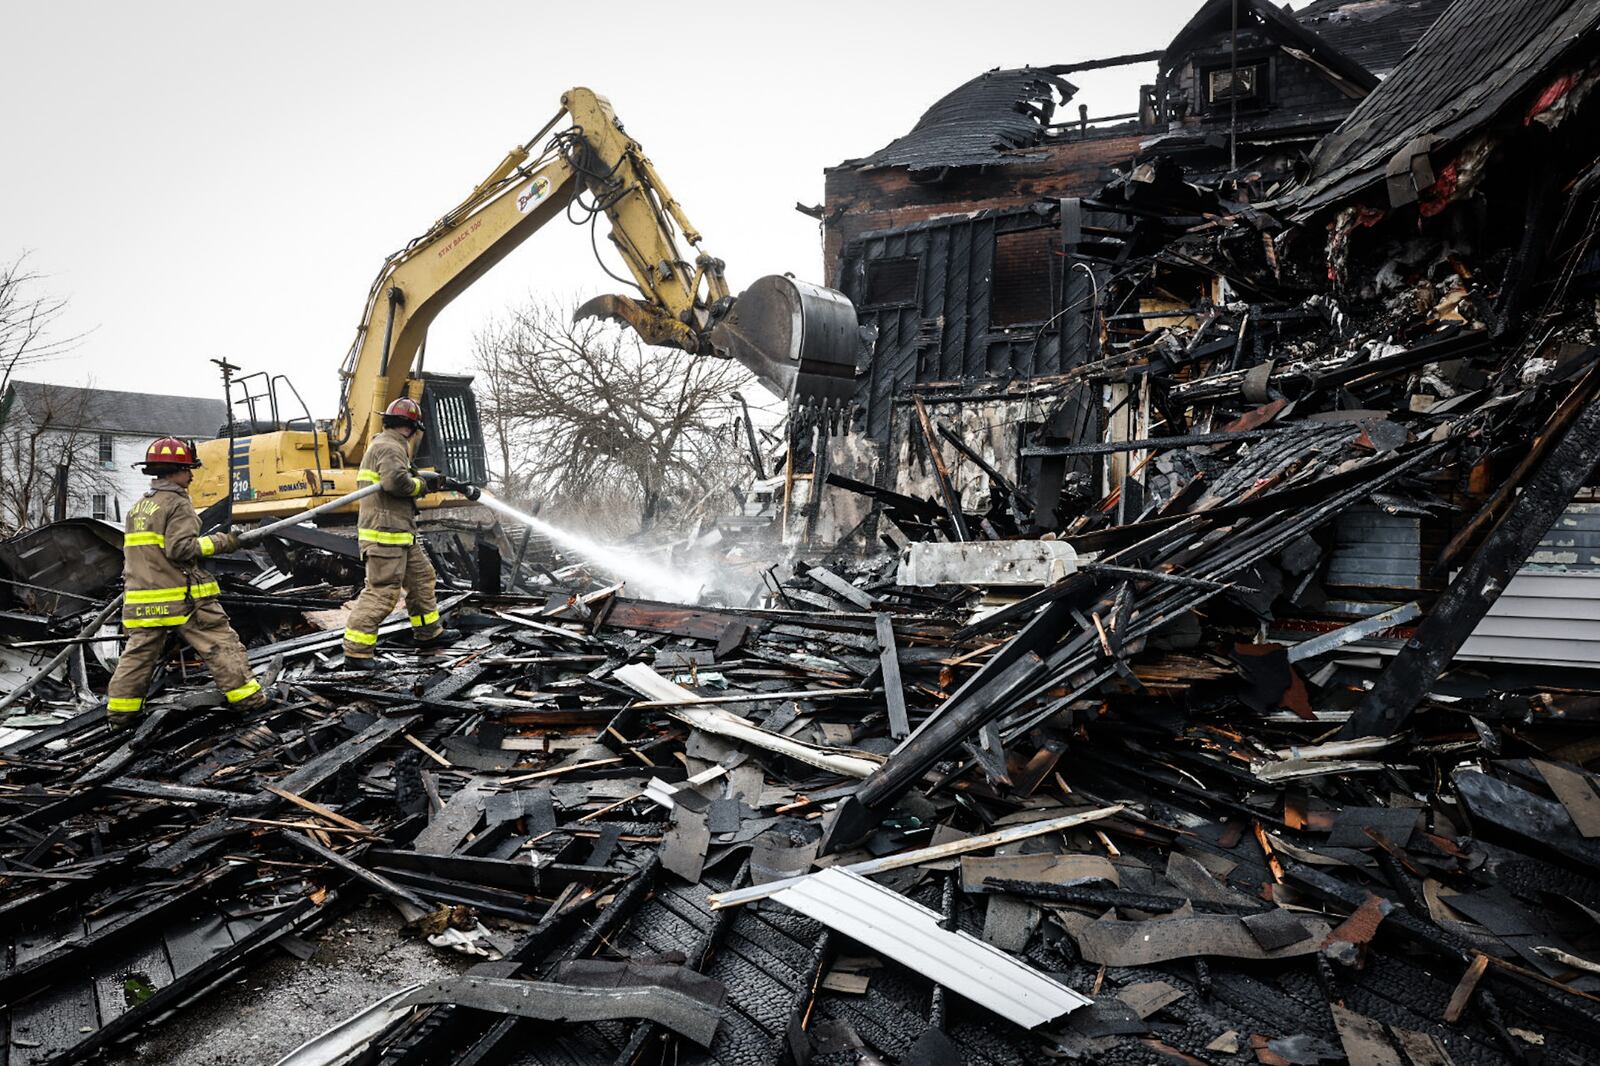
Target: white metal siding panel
x=1542 y=617
x=909 y=933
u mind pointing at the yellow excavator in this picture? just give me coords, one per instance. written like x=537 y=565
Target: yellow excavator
x=798 y=339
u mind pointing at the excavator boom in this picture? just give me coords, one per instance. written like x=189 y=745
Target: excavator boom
x=798 y=339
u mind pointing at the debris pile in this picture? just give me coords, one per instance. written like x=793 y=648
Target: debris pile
x=1162 y=755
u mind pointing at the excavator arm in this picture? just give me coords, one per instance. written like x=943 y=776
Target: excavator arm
x=591 y=166
x=798 y=339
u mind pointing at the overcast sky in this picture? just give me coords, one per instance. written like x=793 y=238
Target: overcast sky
x=225 y=179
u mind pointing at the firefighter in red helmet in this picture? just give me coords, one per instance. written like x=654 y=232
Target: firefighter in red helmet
x=166 y=592
x=386 y=528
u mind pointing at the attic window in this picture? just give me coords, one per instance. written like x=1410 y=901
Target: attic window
x=1244 y=84
x=892 y=282
x=1020 y=286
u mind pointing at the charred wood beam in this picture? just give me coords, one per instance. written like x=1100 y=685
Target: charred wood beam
x=1574 y=402
x=1155 y=576
x=321 y=539
x=438 y=1036
x=894 y=693
x=412 y=906
x=893 y=500
x=1004 y=484
x=957 y=720
x=1444 y=944
x=1503 y=552
x=517 y=576
x=796 y=1048
x=941 y=473
x=1188 y=440
x=1110 y=61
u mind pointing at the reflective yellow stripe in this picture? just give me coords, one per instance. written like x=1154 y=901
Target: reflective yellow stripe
x=146 y=623
x=134 y=540
x=173 y=595
x=369 y=475
x=425 y=619
x=417 y=489
x=207 y=546
x=355 y=636
x=244 y=691
x=123 y=704
x=378 y=536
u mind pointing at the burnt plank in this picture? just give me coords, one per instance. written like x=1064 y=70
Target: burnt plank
x=893 y=689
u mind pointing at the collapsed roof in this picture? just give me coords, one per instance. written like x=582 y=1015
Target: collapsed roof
x=984 y=122
x=1478 y=61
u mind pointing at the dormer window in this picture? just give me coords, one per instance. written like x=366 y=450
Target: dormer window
x=1244 y=85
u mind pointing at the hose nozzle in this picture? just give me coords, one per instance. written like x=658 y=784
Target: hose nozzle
x=471 y=492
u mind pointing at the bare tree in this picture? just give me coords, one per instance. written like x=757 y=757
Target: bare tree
x=27 y=320
x=49 y=441
x=587 y=418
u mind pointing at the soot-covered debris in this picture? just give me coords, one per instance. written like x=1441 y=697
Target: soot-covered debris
x=1179 y=751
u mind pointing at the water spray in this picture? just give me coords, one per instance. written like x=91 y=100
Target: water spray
x=642 y=573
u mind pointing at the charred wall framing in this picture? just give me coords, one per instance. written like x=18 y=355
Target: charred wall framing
x=939 y=327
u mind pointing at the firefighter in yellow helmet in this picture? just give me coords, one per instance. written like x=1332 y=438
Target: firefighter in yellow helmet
x=386 y=528
x=166 y=592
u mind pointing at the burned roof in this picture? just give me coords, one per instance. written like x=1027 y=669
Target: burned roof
x=981 y=123
x=1478 y=57
x=1374 y=33
x=111 y=411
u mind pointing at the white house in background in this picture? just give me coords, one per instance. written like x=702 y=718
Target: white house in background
x=97 y=435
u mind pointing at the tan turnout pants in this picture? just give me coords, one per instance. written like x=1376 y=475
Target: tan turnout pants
x=208 y=632
x=391 y=572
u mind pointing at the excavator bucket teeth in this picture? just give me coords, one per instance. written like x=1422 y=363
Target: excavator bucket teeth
x=798 y=339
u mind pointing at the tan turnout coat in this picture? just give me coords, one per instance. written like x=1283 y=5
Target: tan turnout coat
x=162 y=549
x=387 y=522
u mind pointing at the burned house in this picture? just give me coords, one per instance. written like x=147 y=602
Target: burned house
x=1178 y=733
x=960 y=242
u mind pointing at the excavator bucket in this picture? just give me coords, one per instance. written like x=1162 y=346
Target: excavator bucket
x=797 y=338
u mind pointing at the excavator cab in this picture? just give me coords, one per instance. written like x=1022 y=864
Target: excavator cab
x=453 y=443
